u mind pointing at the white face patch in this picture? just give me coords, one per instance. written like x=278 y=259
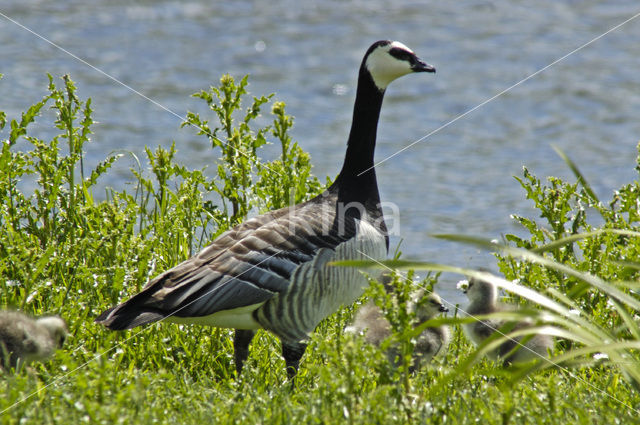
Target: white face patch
x=384 y=68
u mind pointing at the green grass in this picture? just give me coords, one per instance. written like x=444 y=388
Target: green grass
x=64 y=251
x=143 y=384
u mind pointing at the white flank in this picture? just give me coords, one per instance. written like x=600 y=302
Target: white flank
x=342 y=285
x=237 y=318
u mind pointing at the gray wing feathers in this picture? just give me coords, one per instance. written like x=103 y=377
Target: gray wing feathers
x=244 y=266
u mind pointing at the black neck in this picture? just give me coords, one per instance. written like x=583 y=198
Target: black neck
x=358 y=176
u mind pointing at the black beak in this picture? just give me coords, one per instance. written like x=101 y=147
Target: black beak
x=419 y=66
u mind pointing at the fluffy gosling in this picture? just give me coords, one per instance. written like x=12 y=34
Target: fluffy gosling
x=483 y=299
x=24 y=339
x=371 y=323
x=432 y=341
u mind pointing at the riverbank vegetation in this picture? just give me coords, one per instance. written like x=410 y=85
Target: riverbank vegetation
x=66 y=251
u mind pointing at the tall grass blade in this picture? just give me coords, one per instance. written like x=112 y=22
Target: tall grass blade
x=576 y=171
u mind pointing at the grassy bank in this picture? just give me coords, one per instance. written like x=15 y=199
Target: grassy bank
x=63 y=251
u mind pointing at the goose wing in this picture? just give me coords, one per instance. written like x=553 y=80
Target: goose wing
x=244 y=267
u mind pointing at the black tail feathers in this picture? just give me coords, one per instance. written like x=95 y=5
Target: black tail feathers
x=124 y=317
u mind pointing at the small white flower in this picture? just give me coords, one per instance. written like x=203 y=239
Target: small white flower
x=428 y=407
x=574 y=312
x=600 y=356
x=462 y=285
x=31 y=296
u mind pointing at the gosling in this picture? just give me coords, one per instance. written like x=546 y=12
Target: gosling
x=371 y=323
x=24 y=339
x=435 y=340
x=483 y=299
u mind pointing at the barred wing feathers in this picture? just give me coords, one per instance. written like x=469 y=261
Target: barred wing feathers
x=238 y=272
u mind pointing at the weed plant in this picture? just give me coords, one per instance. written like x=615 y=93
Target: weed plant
x=64 y=251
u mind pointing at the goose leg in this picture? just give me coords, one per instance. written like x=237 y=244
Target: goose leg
x=241 y=341
x=292 y=354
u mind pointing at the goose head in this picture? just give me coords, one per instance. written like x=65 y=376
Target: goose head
x=429 y=307
x=387 y=60
x=56 y=327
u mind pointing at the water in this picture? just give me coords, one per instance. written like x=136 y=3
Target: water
x=459 y=180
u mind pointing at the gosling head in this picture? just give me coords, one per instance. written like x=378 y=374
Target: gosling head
x=56 y=327
x=481 y=291
x=429 y=307
x=387 y=60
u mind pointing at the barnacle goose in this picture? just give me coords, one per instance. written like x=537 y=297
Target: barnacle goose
x=483 y=300
x=24 y=339
x=271 y=271
x=372 y=324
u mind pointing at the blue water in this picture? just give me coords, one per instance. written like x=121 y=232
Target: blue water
x=459 y=180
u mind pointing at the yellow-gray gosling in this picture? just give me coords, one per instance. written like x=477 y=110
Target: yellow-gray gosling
x=435 y=340
x=371 y=323
x=483 y=299
x=24 y=339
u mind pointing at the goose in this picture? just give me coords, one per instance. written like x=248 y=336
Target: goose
x=24 y=339
x=483 y=299
x=371 y=323
x=271 y=271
